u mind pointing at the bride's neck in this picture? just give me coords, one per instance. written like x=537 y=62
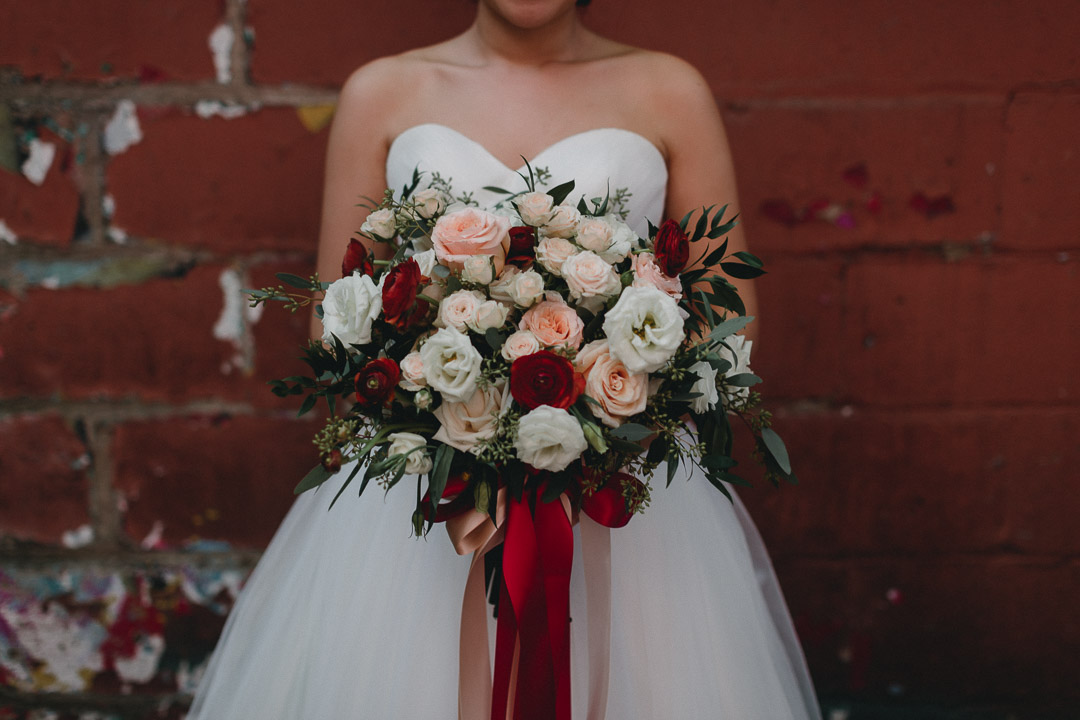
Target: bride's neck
x=557 y=41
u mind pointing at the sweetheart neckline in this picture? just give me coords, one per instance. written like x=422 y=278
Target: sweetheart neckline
x=538 y=155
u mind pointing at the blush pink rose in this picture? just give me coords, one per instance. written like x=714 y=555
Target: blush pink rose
x=552 y=252
x=553 y=322
x=619 y=393
x=648 y=274
x=464 y=233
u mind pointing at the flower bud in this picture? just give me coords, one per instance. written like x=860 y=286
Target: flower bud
x=331 y=462
x=418 y=523
x=482 y=493
x=594 y=436
x=424 y=399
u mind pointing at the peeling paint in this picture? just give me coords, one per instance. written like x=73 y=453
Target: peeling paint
x=41 y=156
x=7 y=234
x=232 y=324
x=97 y=272
x=214 y=108
x=221 y=42
x=122 y=130
x=79 y=537
x=315 y=117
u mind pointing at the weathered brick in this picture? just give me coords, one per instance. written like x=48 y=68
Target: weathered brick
x=44 y=214
x=133 y=38
x=215 y=478
x=802 y=157
x=246 y=184
x=43 y=492
x=928 y=482
x=993 y=330
x=1042 y=173
x=291 y=40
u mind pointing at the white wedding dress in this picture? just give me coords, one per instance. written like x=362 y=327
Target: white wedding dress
x=347 y=616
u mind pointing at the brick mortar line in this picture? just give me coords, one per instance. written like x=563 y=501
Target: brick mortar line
x=122 y=410
x=126 y=558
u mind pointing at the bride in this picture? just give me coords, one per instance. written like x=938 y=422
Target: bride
x=346 y=614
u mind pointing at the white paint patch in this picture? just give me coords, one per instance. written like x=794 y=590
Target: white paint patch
x=69 y=650
x=236 y=316
x=143 y=665
x=7 y=234
x=123 y=129
x=108 y=206
x=221 y=43
x=79 y=537
x=153 y=538
x=117 y=235
x=39 y=161
x=214 y=108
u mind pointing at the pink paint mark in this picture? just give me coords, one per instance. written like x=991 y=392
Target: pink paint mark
x=845 y=220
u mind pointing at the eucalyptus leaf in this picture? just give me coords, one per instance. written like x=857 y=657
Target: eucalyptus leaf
x=730 y=327
x=743 y=272
x=293 y=280
x=631 y=431
x=742 y=380
x=776 y=448
x=315 y=477
x=305 y=407
x=440 y=473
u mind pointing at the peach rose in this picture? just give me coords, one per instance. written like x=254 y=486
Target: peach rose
x=648 y=274
x=412 y=372
x=552 y=252
x=562 y=223
x=589 y=276
x=463 y=425
x=553 y=322
x=520 y=344
x=467 y=232
x=608 y=382
x=458 y=309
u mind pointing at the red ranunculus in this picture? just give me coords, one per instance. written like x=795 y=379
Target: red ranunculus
x=376 y=381
x=400 y=306
x=522 y=250
x=672 y=250
x=356 y=257
x=545 y=378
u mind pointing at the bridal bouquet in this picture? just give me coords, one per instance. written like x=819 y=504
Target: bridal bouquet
x=531 y=339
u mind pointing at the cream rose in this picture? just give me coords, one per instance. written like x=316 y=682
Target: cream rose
x=644 y=329
x=552 y=252
x=500 y=289
x=705 y=385
x=460 y=234
x=464 y=424
x=549 y=438
x=593 y=233
x=489 y=314
x=478 y=269
x=553 y=322
x=520 y=344
x=619 y=393
x=588 y=276
x=404 y=443
x=412 y=372
x=623 y=240
x=380 y=223
x=534 y=208
x=525 y=288
x=648 y=274
x=429 y=202
x=451 y=364
x=563 y=221
x=349 y=306
x=458 y=309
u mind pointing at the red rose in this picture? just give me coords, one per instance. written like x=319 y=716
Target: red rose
x=357 y=257
x=400 y=306
x=672 y=249
x=545 y=378
x=522 y=250
x=376 y=381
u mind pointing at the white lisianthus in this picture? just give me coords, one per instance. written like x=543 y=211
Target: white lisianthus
x=478 y=269
x=526 y=288
x=489 y=314
x=458 y=309
x=427 y=261
x=644 y=329
x=451 y=364
x=429 y=202
x=623 y=240
x=589 y=276
x=534 y=208
x=380 y=223
x=412 y=372
x=350 y=305
x=706 y=385
x=552 y=252
x=520 y=344
x=418 y=462
x=549 y=438
x=563 y=221
x=740 y=363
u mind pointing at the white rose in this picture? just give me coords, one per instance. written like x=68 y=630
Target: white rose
x=380 y=223
x=552 y=252
x=588 y=276
x=740 y=363
x=458 y=309
x=644 y=329
x=349 y=307
x=594 y=234
x=500 y=289
x=526 y=288
x=429 y=202
x=451 y=364
x=419 y=462
x=489 y=314
x=427 y=261
x=623 y=240
x=412 y=372
x=478 y=269
x=563 y=220
x=520 y=344
x=464 y=424
x=534 y=208
x=549 y=438
x=706 y=385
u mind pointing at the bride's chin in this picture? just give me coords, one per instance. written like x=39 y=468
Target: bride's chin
x=529 y=14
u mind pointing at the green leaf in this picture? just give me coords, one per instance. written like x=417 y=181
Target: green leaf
x=345 y=484
x=719 y=485
x=776 y=448
x=702 y=223
x=719 y=462
x=632 y=432
x=309 y=402
x=492 y=188
x=293 y=280
x=315 y=477
x=728 y=295
x=625 y=446
x=723 y=229
x=730 y=327
x=494 y=339
x=672 y=468
x=743 y=272
x=560 y=192
x=440 y=271
x=718 y=217
x=686 y=219
x=440 y=473
x=658 y=449
x=748 y=258
x=742 y=380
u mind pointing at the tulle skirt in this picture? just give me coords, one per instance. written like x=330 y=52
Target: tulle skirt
x=347 y=615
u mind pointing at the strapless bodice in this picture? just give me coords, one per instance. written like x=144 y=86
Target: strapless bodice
x=599 y=161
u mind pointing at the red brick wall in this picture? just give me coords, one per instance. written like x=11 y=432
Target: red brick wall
x=909 y=172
